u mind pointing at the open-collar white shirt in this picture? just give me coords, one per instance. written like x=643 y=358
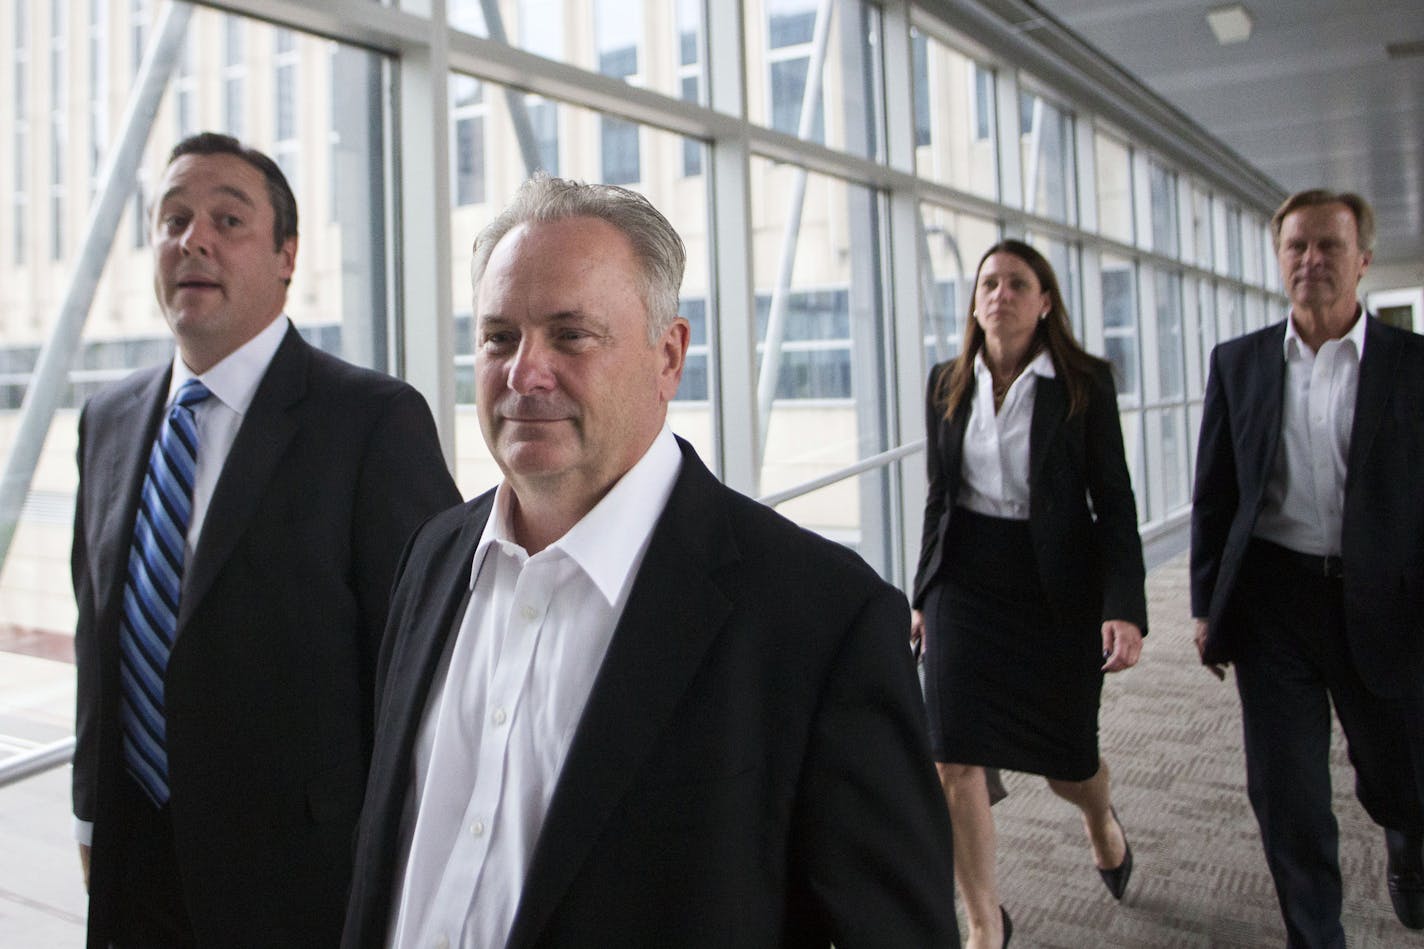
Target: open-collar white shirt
x=505 y=704
x=1305 y=497
x=994 y=466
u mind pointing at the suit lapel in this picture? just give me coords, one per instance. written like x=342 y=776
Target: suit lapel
x=1050 y=408
x=116 y=488
x=1377 y=371
x=674 y=612
x=261 y=440
x=1259 y=413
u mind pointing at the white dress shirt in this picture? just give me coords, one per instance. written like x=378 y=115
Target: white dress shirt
x=233 y=382
x=1305 y=497
x=995 y=453
x=504 y=707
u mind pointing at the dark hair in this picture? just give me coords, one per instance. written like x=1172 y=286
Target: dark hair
x=1072 y=363
x=284 y=203
x=1358 y=206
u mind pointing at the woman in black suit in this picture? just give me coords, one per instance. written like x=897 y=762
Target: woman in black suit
x=1030 y=583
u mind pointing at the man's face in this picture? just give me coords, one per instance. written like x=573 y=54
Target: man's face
x=218 y=279
x=570 y=391
x=1321 y=260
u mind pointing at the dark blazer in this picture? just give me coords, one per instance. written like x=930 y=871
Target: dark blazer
x=1082 y=514
x=270 y=682
x=1382 y=536
x=751 y=769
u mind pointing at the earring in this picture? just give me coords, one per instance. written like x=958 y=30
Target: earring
x=1043 y=316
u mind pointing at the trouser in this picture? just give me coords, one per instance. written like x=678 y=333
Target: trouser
x=1292 y=662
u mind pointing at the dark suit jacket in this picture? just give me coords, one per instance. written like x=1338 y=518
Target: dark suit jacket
x=751 y=768
x=270 y=682
x=1082 y=515
x=1382 y=536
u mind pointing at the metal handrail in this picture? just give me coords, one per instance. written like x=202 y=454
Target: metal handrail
x=860 y=467
x=27 y=764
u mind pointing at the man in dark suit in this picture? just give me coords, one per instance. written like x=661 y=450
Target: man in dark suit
x=619 y=703
x=240 y=514
x=1308 y=562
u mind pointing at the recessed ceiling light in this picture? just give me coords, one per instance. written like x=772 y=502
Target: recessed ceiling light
x=1404 y=50
x=1230 y=24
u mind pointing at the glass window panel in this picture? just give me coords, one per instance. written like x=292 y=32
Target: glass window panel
x=1201 y=227
x=683 y=200
x=1171 y=371
x=1046 y=157
x=955 y=142
x=622 y=164
x=1065 y=259
x=1114 y=169
x=846 y=96
x=953 y=242
x=1230 y=318
x=1167 y=457
x=827 y=328
x=1119 y=295
x=339 y=290
x=1206 y=331
x=1162 y=184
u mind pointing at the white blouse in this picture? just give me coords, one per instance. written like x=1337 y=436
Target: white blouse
x=995 y=453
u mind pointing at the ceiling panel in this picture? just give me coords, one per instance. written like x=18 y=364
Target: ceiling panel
x=1311 y=98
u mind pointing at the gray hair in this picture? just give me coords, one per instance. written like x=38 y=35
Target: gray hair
x=658 y=248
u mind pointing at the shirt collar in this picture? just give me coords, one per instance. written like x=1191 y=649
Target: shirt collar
x=1040 y=365
x=234 y=379
x=1293 y=344
x=607 y=543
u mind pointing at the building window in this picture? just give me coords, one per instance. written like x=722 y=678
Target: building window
x=287 y=147
x=544 y=118
x=1114 y=166
x=98 y=90
x=1120 y=324
x=234 y=77
x=696 y=378
x=58 y=118
x=815 y=348
x=616 y=29
x=185 y=91
x=21 y=200
x=1046 y=148
x=920 y=62
x=790 y=29
x=689 y=76
x=467 y=117
x=1162 y=183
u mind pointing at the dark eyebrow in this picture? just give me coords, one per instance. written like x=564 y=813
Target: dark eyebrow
x=236 y=193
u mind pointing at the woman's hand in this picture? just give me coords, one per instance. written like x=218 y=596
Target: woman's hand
x=917 y=630
x=1122 y=645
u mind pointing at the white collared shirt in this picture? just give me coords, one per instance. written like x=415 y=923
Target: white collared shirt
x=1305 y=496
x=233 y=382
x=995 y=454
x=503 y=710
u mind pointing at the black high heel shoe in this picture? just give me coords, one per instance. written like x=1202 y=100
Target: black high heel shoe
x=1116 y=878
x=1008 y=925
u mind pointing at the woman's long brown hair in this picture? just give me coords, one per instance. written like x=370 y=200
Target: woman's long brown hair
x=1071 y=362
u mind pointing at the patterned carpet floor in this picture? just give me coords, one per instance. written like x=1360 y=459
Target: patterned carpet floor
x=1171 y=734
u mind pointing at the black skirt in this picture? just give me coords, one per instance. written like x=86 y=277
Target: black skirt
x=1008 y=683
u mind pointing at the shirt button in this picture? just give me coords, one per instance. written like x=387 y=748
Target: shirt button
x=442 y=942
x=477 y=829
x=528 y=612
x=499 y=716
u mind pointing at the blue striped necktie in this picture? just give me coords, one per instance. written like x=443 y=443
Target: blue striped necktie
x=155 y=580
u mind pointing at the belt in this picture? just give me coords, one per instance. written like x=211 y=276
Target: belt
x=1330 y=566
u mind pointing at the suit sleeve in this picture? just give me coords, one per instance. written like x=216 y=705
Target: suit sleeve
x=935 y=499
x=1214 y=494
x=86 y=659
x=872 y=834
x=403 y=481
x=1114 y=508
